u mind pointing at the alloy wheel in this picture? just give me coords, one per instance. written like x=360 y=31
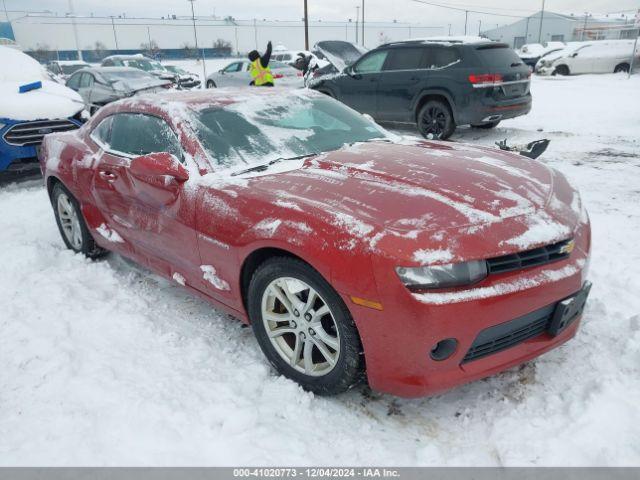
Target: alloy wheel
x=434 y=121
x=69 y=221
x=300 y=326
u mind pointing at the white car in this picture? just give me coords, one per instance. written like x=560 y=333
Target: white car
x=236 y=74
x=605 y=56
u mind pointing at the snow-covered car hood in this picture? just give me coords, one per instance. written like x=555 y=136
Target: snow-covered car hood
x=433 y=189
x=52 y=101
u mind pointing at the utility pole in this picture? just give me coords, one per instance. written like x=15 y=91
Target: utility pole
x=195 y=36
x=75 y=29
x=584 y=27
x=466 y=16
x=479 y=27
x=526 y=31
x=541 y=19
x=6 y=14
x=449 y=29
x=115 y=37
x=149 y=36
x=306 y=27
x=357 y=21
x=363 y=23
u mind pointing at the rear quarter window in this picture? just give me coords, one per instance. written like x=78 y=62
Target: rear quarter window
x=405 y=59
x=500 y=57
x=441 y=57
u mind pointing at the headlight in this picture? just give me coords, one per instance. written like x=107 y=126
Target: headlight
x=442 y=276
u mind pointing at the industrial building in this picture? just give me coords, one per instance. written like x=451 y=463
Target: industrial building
x=557 y=27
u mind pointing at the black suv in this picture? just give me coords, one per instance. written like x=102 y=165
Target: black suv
x=434 y=84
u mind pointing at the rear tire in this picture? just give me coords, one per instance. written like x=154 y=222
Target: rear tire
x=435 y=120
x=487 y=126
x=623 y=67
x=303 y=327
x=71 y=224
x=211 y=84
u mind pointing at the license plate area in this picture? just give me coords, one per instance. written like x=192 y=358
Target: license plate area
x=568 y=310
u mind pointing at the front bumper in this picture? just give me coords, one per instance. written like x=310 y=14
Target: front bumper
x=19 y=158
x=398 y=340
x=545 y=71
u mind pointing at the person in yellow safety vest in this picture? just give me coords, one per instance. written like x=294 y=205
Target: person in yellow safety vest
x=260 y=71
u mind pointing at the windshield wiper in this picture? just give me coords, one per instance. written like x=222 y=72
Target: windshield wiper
x=264 y=166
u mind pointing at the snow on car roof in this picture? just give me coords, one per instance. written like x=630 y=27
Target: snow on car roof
x=70 y=62
x=461 y=39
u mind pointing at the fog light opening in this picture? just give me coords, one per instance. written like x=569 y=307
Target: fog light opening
x=444 y=349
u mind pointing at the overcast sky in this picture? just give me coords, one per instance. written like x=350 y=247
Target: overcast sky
x=376 y=10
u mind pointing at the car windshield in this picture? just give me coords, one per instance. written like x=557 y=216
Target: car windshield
x=125 y=75
x=268 y=128
x=145 y=65
x=69 y=69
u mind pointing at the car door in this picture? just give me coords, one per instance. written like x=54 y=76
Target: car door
x=233 y=75
x=580 y=61
x=403 y=75
x=156 y=219
x=85 y=88
x=358 y=87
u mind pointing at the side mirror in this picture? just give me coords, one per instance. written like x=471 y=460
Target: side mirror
x=150 y=167
x=574 y=55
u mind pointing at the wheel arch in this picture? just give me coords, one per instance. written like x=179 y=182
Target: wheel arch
x=256 y=258
x=428 y=95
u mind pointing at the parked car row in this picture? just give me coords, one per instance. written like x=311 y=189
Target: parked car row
x=236 y=74
x=531 y=53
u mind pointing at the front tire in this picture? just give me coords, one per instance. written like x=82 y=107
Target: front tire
x=211 y=84
x=303 y=327
x=561 y=70
x=435 y=120
x=623 y=67
x=71 y=224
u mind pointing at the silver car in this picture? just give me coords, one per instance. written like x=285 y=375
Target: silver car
x=236 y=74
x=101 y=85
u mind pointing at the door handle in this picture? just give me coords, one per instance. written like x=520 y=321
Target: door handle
x=108 y=176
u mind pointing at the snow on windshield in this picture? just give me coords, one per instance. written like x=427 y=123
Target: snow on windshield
x=280 y=127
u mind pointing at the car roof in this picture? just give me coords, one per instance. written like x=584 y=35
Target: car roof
x=108 y=70
x=446 y=41
x=135 y=56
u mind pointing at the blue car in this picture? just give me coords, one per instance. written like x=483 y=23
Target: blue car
x=31 y=106
x=20 y=140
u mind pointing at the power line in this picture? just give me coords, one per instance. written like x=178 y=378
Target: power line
x=468 y=10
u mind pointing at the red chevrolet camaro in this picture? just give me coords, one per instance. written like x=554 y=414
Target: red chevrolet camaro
x=353 y=253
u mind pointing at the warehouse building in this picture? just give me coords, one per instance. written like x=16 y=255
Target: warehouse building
x=557 y=27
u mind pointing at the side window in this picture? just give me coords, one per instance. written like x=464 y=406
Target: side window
x=405 y=59
x=86 y=80
x=140 y=134
x=441 y=57
x=102 y=133
x=74 y=81
x=234 y=67
x=107 y=63
x=372 y=63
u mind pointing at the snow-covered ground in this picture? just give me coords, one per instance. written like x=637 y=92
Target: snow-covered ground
x=102 y=363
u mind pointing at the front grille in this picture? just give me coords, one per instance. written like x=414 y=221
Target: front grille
x=31 y=133
x=530 y=258
x=505 y=335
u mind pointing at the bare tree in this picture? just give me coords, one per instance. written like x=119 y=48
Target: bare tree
x=151 y=48
x=189 y=51
x=100 y=49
